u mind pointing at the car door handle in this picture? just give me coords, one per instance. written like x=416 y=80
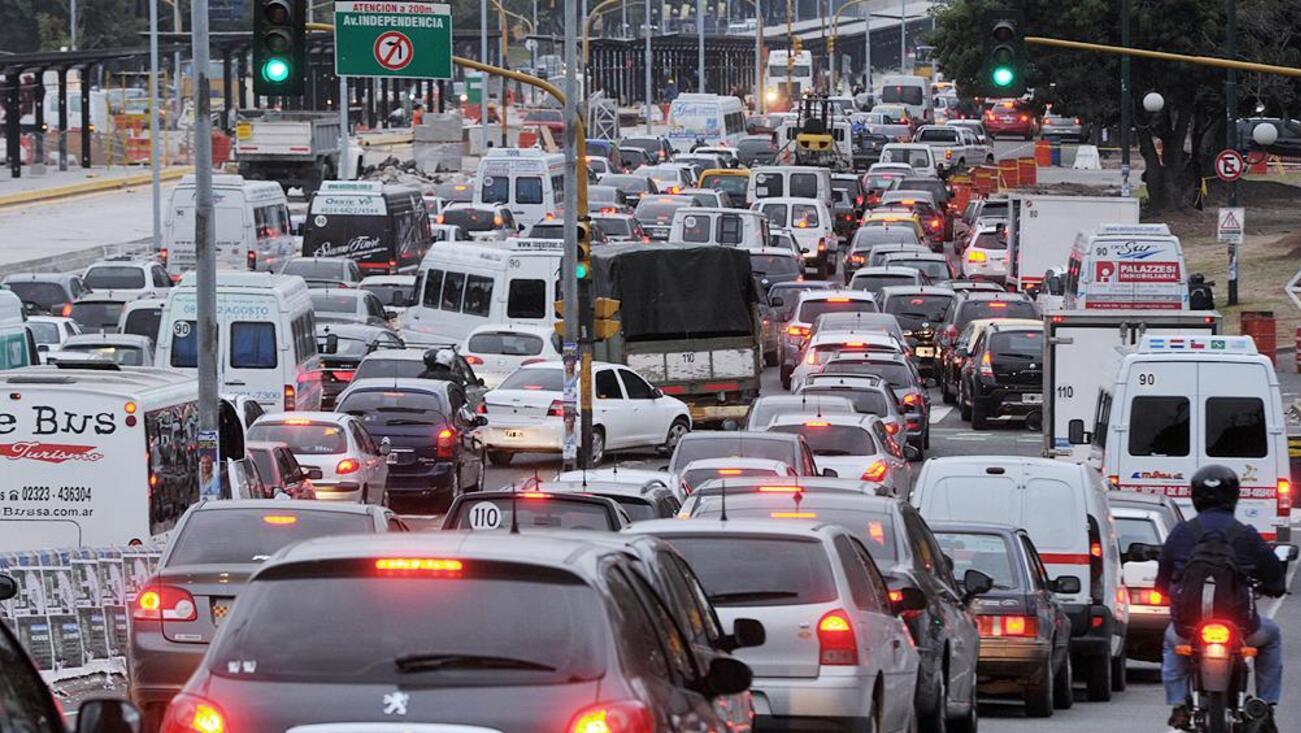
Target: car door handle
x=236 y=383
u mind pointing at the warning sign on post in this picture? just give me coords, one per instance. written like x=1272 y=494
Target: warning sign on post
x=393 y=39
x=1229 y=225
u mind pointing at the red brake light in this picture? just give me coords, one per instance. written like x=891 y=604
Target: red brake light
x=1215 y=633
x=1152 y=597
x=410 y=565
x=252 y=260
x=346 y=466
x=626 y=716
x=797 y=330
x=728 y=472
x=892 y=427
x=836 y=640
x=291 y=398
x=557 y=409
x=876 y=471
x=164 y=603
x=1007 y=625
x=779 y=489
x=1095 y=549
x=445 y=443
x=936 y=223
x=912 y=398
x=193 y=714
x=473 y=360
x=1283 y=497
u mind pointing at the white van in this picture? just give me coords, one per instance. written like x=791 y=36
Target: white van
x=786 y=66
x=921 y=158
x=17 y=344
x=795 y=181
x=912 y=92
x=810 y=222
x=251 y=219
x=727 y=227
x=1063 y=506
x=465 y=286
x=1181 y=402
x=530 y=182
x=711 y=119
x=1138 y=266
x=266 y=338
x=97 y=457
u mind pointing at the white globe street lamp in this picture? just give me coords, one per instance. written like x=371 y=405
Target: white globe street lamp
x=1153 y=102
x=1265 y=134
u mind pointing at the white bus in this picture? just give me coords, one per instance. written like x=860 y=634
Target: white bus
x=531 y=182
x=708 y=119
x=251 y=218
x=99 y=456
x=912 y=92
x=780 y=90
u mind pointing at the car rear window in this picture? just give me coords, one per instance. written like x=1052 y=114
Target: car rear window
x=876 y=529
x=471 y=220
x=776 y=265
x=315 y=269
x=613 y=226
x=759 y=571
x=914 y=310
x=1235 y=427
x=389 y=368
x=895 y=374
x=109 y=277
x=116 y=353
x=934 y=269
x=938 y=135
x=804 y=186
x=395 y=407
x=811 y=309
x=874 y=283
x=536 y=380
x=143 y=322
x=698 y=476
x=334 y=303
x=658 y=212
x=533 y=511
x=303 y=437
x=825 y=439
x=506 y=343
x=43 y=295
x=726 y=446
x=765 y=411
x=988 y=553
x=979 y=309
x=247 y=536
x=865 y=401
x=1136 y=529
x=97 y=315
x=1017 y=346
x=990 y=240
x=380 y=630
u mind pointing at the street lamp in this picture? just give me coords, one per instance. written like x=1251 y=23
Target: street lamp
x=1265 y=134
x=1153 y=102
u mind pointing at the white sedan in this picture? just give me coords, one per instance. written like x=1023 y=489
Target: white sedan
x=526 y=413
x=353 y=467
x=825 y=345
x=985 y=256
x=845 y=444
x=497 y=350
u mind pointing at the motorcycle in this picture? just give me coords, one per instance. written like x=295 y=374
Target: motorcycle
x=1201 y=297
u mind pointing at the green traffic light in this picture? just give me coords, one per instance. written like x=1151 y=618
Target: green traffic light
x=275 y=70
x=1004 y=76
x=582 y=270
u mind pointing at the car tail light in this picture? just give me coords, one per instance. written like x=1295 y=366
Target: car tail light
x=936 y=223
x=252 y=260
x=344 y=375
x=624 y=716
x=347 y=466
x=1150 y=597
x=1215 y=633
x=892 y=427
x=975 y=255
x=164 y=603
x=797 y=330
x=66 y=311
x=986 y=368
x=1021 y=626
x=419 y=565
x=445 y=444
x=822 y=244
x=912 y=398
x=557 y=409
x=950 y=332
x=473 y=360
x=948 y=154
x=1024 y=118
x=193 y=714
x=1283 y=497
x=875 y=472
x=291 y=398
x=837 y=645
x=482 y=409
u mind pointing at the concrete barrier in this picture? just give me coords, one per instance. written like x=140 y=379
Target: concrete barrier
x=86 y=187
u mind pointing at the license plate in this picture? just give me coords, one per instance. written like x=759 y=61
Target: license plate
x=514 y=433
x=1033 y=398
x=926 y=351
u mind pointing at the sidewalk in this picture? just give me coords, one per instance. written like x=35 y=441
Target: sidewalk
x=55 y=184
x=53 y=177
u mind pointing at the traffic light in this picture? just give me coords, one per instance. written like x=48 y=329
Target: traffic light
x=279 y=47
x=607 y=323
x=583 y=266
x=1004 y=71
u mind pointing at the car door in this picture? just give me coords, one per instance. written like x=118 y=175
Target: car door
x=1050 y=610
x=900 y=665
x=611 y=410
x=25 y=701
x=650 y=416
x=959 y=626
x=374 y=465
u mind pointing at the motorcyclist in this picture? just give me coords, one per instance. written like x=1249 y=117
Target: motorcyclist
x=438 y=365
x=1215 y=493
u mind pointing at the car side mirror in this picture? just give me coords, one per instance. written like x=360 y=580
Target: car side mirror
x=746 y=632
x=727 y=676
x=903 y=600
x=315 y=474
x=108 y=715
x=8 y=587
x=657 y=393
x=975 y=583
x=1141 y=552
x=1066 y=584
x=1284 y=553
x=911 y=453
x=331 y=344
x=385 y=447
x=830 y=473
x=1075 y=433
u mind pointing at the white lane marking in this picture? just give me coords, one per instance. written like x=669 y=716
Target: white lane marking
x=939 y=413
x=1276 y=603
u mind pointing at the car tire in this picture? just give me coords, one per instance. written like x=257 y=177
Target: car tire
x=964 y=408
x=969 y=723
x=365 y=494
x=677 y=430
x=456 y=490
x=936 y=720
x=598 y=446
x=979 y=419
x=785 y=379
x=1064 y=686
x=1098 y=679
x=946 y=394
x=926 y=435
x=770 y=358
x=1119 y=670
x=824 y=269
x=500 y=457
x=1039 y=693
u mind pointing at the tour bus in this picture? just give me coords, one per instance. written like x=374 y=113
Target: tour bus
x=463 y=287
x=1181 y=402
x=384 y=228
x=783 y=90
x=1129 y=266
x=17 y=344
x=912 y=92
x=531 y=182
x=100 y=455
x=708 y=119
x=266 y=338
x=251 y=219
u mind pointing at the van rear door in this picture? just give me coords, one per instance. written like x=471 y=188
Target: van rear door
x=253 y=360
x=1155 y=428
x=1238 y=429
x=989 y=497
x=1053 y=512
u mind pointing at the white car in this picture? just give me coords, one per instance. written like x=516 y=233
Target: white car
x=630 y=476
x=826 y=345
x=496 y=350
x=985 y=255
x=920 y=157
x=525 y=413
x=395 y=292
x=123 y=349
x=707 y=469
x=51 y=331
x=844 y=444
x=129 y=278
x=354 y=468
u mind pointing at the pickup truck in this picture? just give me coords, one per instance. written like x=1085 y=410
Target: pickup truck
x=954 y=147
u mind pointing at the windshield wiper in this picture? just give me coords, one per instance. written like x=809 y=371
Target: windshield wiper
x=752 y=595
x=430 y=661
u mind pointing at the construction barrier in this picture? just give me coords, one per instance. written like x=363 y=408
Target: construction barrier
x=220 y=147
x=1043 y=153
x=1009 y=173
x=1028 y=172
x=982 y=179
x=961 y=196
x=1260 y=326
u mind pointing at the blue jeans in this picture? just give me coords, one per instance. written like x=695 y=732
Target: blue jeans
x=1269 y=664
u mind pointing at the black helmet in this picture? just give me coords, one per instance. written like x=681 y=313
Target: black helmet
x=1215 y=487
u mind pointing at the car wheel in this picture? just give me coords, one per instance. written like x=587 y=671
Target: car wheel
x=456 y=487
x=969 y=723
x=979 y=418
x=598 y=446
x=679 y=428
x=1098 y=678
x=1039 y=693
x=500 y=457
x=946 y=394
x=770 y=358
x=785 y=379
x=964 y=406
x=478 y=478
x=1064 y=686
x=365 y=494
x=1118 y=671
x=936 y=720
x=926 y=436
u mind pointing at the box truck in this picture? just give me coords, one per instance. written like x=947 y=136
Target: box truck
x=1041 y=230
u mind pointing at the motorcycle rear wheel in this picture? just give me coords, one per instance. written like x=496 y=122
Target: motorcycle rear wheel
x=1217 y=713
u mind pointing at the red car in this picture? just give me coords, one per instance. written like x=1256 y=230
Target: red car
x=1010 y=117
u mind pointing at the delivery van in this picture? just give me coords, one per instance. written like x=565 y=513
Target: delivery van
x=1134 y=266
x=790 y=181
x=17 y=344
x=384 y=228
x=726 y=227
x=251 y=218
x=266 y=338
x=530 y=182
x=1181 y=402
x=709 y=119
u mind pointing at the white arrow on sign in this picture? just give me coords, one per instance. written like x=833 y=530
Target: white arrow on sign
x=1293 y=289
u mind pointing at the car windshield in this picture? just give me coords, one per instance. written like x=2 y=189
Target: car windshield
x=1136 y=529
x=626 y=183
x=44 y=295
x=394 y=294
x=109 y=277
x=865 y=401
x=934 y=269
x=118 y=354
x=980 y=309
x=759 y=571
x=914 y=310
x=380 y=632
x=811 y=309
x=728 y=446
x=314 y=269
x=304 y=437
x=776 y=265
x=505 y=342
x=536 y=380
x=533 y=510
x=470 y=219
x=389 y=368
x=334 y=303
x=825 y=439
x=97 y=315
x=235 y=536
x=988 y=553
x=897 y=375
x=379 y=407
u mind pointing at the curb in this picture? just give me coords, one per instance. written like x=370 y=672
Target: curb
x=77 y=189
x=68 y=261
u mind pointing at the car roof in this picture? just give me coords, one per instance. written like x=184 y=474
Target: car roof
x=309 y=415
x=982 y=462
x=968 y=295
x=914 y=255
x=840 y=419
x=265 y=445
x=408 y=354
x=748 y=527
x=37 y=277
x=956 y=525
x=543 y=331
x=906 y=290
x=284 y=505
x=596 y=487
x=840 y=334
x=735 y=435
x=885 y=270
x=388 y=280
x=836 y=293
x=397 y=384
x=111 y=339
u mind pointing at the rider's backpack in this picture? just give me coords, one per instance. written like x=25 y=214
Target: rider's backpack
x=1212 y=584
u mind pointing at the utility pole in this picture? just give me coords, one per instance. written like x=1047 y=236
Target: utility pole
x=700 y=43
x=903 y=37
x=72 y=24
x=1126 y=103
x=483 y=78
x=1231 y=132
x=569 y=449
x=342 y=173
x=177 y=27
x=649 y=82
x=204 y=234
x=759 y=104
x=154 y=135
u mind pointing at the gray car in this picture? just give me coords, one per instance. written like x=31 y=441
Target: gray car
x=456 y=631
x=214 y=549
x=790 y=449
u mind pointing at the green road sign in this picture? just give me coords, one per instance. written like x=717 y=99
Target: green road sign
x=385 y=38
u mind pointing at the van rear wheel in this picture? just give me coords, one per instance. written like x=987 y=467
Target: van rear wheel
x=1118 y=671
x=1098 y=677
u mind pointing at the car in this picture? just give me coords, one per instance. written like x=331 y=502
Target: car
x=138 y=278
x=774 y=265
x=354 y=469
x=732 y=181
x=792 y=450
x=211 y=553
x=881 y=182
x=324 y=271
x=871 y=280
x=142 y=317
x=866 y=238
x=1011 y=118
x=825 y=609
x=953 y=356
x=483 y=222
x=789 y=295
x=937 y=188
x=727 y=155
x=848 y=446
x=655 y=213
x=755 y=150
x=934 y=265
x=869 y=395
x=525 y=414
x=1025 y=634
x=984 y=254
x=953 y=149
x=1288 y=142
x=878 y=252
x=620 y=227
x=100 y=311
x=649 y=500
x=1062 y=128
x=457 y=190
x=631 y=159
x=970 y=286
x=976 y=127
x=45 y=293
x=669 y=178
x=785 y=240
x=515 y=508
x=811 y=222
x=705 y=470
x=637 y=477
x=551 y=119
x=396 y=292
x=607 y=650
x=349 y=305
x=496 y=351
x=51 y=332
x=699 y=162
x=972 y=305
x=1147 y=519
x=632 y=188
x=868 y=142
x=920 y=158
x=410 y=363
x=342 y=347
x=709 y=197
x=897 y=371
x=920 y=311
x=883 y=322
x=811 y=304
x=280 y=471
x=767 y=407
x=117 y=348
x=1004 y=376
x=828 y=345
x=658 y=147
x=606 y=199
x=555 y=229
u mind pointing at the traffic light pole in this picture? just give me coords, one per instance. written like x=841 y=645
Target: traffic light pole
x=569 y=450
x=1126 y=103
x=205 y=255
x=1231 y=133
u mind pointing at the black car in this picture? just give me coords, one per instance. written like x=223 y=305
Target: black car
x=979 y=304
x=920 y=311
x=631 y=188
x=630 y=159
x=657 y=147
x=756 y=150
x=342 y=347
x=867 y=147
x=1025 y=634
x=433 y=455
x=1004 y=376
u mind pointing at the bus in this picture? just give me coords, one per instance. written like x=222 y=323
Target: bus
x=784 y=86
x=710 y=119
